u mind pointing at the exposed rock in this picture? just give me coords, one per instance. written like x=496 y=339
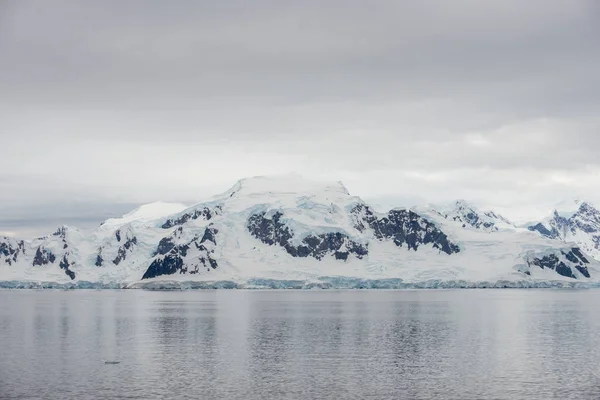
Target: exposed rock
x=582 y=227
x=204 y=213
x=99 y=260
x=577 y=253
x=273 y=231
x=61 y=232
x=66 y=266
x=470 y=216
x=124 y=249
x=542 y=230
x=11 y=249
x=403 y=227
x=553 y=262
x=176 y=260
x=586 y=219
x=165 y=245
x=43 y=257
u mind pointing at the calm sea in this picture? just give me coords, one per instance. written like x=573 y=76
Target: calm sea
x=363 y=344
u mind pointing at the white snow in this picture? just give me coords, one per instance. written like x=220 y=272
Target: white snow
x=145 y=213
x=309 y=208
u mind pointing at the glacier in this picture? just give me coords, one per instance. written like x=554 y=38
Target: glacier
x=285 y=232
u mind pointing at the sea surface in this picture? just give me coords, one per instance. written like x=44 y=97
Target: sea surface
x=313 y=344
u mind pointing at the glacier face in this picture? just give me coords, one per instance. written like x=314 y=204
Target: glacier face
x=289 y=231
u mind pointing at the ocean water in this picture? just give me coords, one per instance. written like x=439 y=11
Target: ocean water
x=313 y=344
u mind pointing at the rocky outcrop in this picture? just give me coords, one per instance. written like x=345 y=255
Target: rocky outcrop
x=550 y=233
x=11 y=249
x=556 y=228
x=125 y=249
x=273 y=231
x=43 y=257
x=574 y=257
x=99 y=259
x=66 y=265
x=404 y=227
x=582 y=228
x=187 y=257
x=586 y=219
x=126 y=242
x=469 y=216
x=203 y=213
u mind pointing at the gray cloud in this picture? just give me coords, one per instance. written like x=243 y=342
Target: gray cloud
x=125 y=102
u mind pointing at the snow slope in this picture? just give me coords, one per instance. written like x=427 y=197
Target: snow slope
x=144 y=213
x=274 y=231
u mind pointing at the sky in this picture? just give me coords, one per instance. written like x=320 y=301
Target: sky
x=105 y=105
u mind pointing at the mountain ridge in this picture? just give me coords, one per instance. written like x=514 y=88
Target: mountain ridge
x=581 y=226
x=290 y=228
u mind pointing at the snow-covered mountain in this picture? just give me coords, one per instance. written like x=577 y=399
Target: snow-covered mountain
x=286 y=231
x=581 y=226
x=469 y=216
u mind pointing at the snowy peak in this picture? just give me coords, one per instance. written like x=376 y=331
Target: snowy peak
x=586 y=219
x=561 y=224
x=144 y=213
x=290 y=228
x=581 y=226
x=470 y=216
x=291 y=184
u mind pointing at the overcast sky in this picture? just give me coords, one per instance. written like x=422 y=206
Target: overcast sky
x=105 y=105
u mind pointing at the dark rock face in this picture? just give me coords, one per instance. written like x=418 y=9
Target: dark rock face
x=270 y=231
x=404 y=228
x=407 y=227
x=363 y=217
x=165 y=245
x=584 y=270
x=273 y=231
x=577 y=253
x=61 y=232
x=584 y=224
x=43 y=257
x=128 y=242
x=586 y=219
x=99 y=260
x=11 y=250
x=171 y=256
x=66 y=266
x=333 y=243
x=124 y=249
x=466 y=215
x=554 y=263
x=205 y=213
x=542 y=230
x=469 y=216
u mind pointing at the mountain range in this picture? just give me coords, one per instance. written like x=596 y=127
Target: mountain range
x=289 y=232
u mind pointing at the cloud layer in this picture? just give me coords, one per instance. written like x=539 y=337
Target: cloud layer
x=114 y=103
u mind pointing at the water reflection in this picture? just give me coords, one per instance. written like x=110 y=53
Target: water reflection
x=304 y=345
